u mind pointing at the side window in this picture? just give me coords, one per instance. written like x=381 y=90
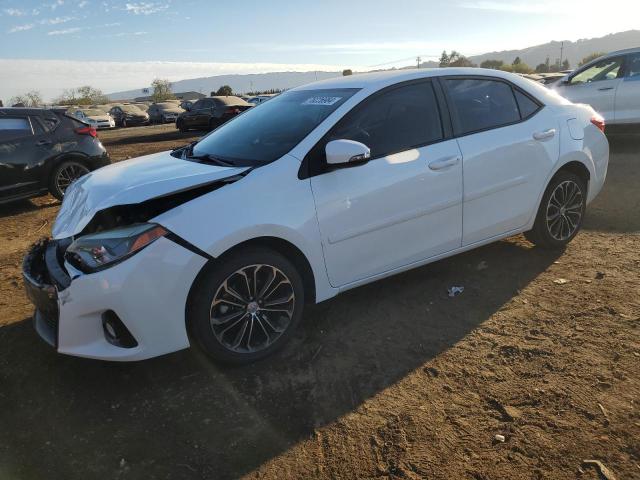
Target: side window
x=397 y=120
x=527 y=106
x=198 y=105
x=633 y=66
x=479 y=104
x=37 y=126
x=607 y=69
x=14 y=128
x=51 y=123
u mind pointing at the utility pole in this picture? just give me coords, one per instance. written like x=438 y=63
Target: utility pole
x=418 y=60
x=561 y=50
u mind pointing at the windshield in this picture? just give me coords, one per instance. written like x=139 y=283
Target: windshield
x=265 y=133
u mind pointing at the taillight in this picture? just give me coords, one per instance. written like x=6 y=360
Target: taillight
x=232 y=111
x=87 y=131
x=598 y=121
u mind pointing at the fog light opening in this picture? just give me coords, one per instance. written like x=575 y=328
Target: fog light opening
x=115 y=332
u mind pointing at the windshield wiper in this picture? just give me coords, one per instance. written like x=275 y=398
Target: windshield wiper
x=211 y=159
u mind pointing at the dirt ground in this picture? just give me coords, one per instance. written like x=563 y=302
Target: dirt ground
x=391 y=380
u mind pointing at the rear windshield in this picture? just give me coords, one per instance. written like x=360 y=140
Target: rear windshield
x=265 y=133
x=94 y=113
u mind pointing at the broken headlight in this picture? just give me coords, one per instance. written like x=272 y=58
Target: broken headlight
x=96 y=251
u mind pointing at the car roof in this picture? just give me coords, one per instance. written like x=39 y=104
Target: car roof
x=622 y=52
x=371 y=82
x=23 y=110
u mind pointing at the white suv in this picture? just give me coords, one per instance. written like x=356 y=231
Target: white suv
x=610 y=84
x=323 y=188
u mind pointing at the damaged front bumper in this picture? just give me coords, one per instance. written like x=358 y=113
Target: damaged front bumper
x=43 y=276
x=131 y=311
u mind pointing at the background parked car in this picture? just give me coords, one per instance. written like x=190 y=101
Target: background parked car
x=164 y=112
x=258 y=99
x=128 y=115
x=95 y=117
x=44 y=151
x=209 y=113
x=610 y=84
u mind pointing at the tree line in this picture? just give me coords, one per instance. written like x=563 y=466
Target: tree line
x=162 y=88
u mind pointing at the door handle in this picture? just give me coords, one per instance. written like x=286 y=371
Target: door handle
x=444 y=163
x=545 y=134
x=42 y=143
x=605 y=88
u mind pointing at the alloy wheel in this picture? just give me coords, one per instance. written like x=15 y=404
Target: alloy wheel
x=564 y=210
x=252 y=308
x=70 y=172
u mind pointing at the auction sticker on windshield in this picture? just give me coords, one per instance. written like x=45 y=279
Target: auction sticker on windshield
x=321 y=100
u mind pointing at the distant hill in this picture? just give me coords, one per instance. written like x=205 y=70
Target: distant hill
x=574 y=51
x=239 y=83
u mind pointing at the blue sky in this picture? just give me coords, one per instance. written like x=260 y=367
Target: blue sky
x=73 y=41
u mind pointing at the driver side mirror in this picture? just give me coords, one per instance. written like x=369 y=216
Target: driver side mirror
x=341 y=152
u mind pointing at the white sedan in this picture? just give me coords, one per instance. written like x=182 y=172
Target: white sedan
x=610 y=84
x=324 y=188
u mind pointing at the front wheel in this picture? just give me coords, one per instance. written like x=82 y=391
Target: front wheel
x=561 y=211
x=247 y=306
x=180 y=126
x=63 y=175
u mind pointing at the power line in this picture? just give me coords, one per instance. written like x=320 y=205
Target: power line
x=403 y=60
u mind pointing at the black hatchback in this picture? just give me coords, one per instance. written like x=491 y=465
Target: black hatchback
x=44 y=150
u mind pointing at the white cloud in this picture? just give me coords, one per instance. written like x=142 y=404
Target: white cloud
x=145 y=8
x=65 y=31
x=15 y=12
x=55 y=21
x=21 y=28
x=51 y=77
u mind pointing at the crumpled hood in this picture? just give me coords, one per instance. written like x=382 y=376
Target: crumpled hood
x=130 y=182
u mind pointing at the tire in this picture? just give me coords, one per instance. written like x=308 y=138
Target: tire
x=63 y=174
x=229 y=317
x=181 y=127
x=213 y=124
x=561 y=211
x=124 y=123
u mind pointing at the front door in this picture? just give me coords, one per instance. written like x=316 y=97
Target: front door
x=595 y=85
x=628 y=93
x=402 y=206
x=23 y=145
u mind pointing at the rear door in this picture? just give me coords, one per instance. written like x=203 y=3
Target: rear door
x=23 y=146
x=596 y=85
x=509 y=145
x=628 y=93
x=403 y=205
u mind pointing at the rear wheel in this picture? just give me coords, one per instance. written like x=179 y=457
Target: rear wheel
x=63 y=175
x=247 y=307
x=561 y=211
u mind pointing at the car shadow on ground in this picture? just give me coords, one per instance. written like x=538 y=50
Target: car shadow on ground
x=183 y=416
x=24 y=206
